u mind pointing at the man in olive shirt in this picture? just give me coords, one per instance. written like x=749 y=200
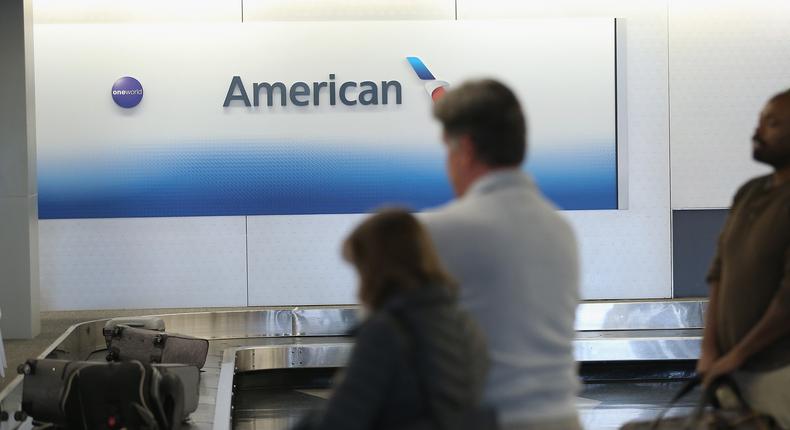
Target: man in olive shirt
x=747 y=328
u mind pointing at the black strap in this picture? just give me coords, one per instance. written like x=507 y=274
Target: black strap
x=708 y=398
x=689 y=387
x=407 y=332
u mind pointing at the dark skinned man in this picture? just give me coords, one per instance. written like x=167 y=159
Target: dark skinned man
x=747 y=327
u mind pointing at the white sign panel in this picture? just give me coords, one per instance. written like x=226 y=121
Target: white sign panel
x=305 y=118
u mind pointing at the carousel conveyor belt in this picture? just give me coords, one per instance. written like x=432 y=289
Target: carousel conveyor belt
x=267 y=366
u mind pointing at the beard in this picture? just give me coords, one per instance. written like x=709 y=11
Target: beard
x=776 y=157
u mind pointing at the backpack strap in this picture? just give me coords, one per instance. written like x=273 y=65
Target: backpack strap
x=407 y=333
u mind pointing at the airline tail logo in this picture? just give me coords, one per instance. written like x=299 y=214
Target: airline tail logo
x=435 y=88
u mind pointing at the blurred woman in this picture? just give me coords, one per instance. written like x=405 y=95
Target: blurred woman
x=418 y=362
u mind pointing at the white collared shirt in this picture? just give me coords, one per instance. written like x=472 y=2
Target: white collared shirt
x=516 y=260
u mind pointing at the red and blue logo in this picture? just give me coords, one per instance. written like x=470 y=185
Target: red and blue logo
x=435 y=88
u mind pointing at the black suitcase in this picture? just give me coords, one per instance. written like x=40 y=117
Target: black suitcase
x=128 y=395
x=44 y=387
x=77 y=393
x=150 y=323
x=150 y=346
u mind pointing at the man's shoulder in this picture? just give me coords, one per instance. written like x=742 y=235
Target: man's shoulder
x=751 y=184
x=480 y=208
x=758 y=180
x=448 y=212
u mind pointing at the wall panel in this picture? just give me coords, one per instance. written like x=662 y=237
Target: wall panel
x=143 y=263
x=726 y=58
x=296 y=260
x=139 y=11
x=347 y=10
x=625 y=253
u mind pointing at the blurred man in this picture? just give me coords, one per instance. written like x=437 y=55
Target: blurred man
x=513 y=255
x=747 y=327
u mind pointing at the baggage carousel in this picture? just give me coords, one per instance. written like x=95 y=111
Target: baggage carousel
x=267 y=366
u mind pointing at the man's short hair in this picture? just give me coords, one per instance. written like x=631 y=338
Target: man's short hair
x=491 y=115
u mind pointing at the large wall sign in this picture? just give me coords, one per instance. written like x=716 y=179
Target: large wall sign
x=306 y=118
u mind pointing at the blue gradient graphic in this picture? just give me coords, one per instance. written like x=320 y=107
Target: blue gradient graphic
x=289 y=178
x=577 y=177
x=420 y=68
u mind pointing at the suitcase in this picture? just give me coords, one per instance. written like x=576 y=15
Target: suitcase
x=150 y=346
x=190 y=379
x=150 y=323
x=128 y=395
x=46 y=384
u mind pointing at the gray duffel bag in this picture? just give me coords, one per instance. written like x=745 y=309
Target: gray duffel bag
x=151 y=346
x=149 y=323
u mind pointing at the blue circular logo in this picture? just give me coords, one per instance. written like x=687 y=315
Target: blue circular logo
x=127 y=92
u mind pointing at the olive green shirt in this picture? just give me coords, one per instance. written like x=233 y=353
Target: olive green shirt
x=751 y=266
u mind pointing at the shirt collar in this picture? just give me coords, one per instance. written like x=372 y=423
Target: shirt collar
x=499 y=179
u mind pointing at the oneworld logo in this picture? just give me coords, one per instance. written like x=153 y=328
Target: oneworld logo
x=127 y=92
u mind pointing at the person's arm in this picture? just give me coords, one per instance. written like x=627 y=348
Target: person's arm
x=774 y=325
x=710 y=349
x=357 y=401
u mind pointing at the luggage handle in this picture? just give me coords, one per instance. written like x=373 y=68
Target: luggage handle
x=690 y=385
x=159 y=340
x=27 y=368
x=117 y=331
x=708 y=398
x=112 y=354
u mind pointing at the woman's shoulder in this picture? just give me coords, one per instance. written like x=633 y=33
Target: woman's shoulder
x=381 y=327
x=377 y=340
